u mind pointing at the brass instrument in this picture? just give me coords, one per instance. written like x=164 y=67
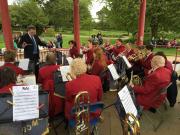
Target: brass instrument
x=135 y=80
x=82 y=117
x=70 y=77
x=131 y=125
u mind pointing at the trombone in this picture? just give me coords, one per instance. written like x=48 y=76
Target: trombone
x=131 y=125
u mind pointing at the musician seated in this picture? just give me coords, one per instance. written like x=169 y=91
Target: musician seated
x=9 y=58
x=82 y=82
x=7 y=80
x=100 y=62
x=46 y=77
x=119 y=47
x=149 y=94
x=168 y=64
x=73 y=52
x=46 y=72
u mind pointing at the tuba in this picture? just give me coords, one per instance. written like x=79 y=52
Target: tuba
x=131 y=125
x=82 y=114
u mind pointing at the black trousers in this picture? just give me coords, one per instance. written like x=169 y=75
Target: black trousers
x=35 y=61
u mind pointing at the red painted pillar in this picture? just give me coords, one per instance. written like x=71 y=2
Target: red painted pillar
x=141 y=24
x=6 y=24
x=76 y=23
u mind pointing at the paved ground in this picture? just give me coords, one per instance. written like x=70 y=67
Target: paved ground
x=112 y=125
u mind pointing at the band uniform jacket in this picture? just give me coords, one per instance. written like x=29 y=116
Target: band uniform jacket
x=74 y=53
x=90 y=83
x=118 y=50
x=28 y=50
x=56 y=104
x=148 y=95
x=6 y=89
x=16 y=69
x=46 y=73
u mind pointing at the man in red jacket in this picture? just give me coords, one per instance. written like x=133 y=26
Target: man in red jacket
x=46 y=77
x=83 y=82
x=9 y=58
x=149 y=94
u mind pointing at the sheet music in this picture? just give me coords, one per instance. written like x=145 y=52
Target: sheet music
x=177 y=67
x=64 y=71
x=24 y=64
x=127 y=101
x=25 y=102
x=69 y=59
x=113 y=71
x=127 y=62
x=1 y=63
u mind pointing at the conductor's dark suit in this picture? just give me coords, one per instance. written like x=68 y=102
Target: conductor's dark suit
x=29 y=50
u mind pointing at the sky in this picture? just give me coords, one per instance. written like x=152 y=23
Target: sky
x=96 y=6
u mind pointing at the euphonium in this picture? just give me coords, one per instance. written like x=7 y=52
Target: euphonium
x=82 y=117
x=131 y=125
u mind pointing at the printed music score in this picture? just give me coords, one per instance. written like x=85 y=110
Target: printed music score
x=25 y=102
x=1 y=63
x=113 y=71
x=127 y=101
x=127 y=62
x=24 y=64
x=64 y=72
x=69 y=59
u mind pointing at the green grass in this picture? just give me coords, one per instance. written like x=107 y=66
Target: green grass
x=85 y=36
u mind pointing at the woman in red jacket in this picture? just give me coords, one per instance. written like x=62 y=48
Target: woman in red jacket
x=99 y=66
x=73 y=52
x=7 y=80
x=149 y=94
x=82 y=82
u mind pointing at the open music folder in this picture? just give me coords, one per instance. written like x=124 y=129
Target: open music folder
x=113 y=71
x=127 y=101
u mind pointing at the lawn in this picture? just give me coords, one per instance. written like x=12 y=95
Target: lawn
x=85 y=36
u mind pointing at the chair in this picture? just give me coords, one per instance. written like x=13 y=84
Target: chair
x=82 y=112
x=163 y=93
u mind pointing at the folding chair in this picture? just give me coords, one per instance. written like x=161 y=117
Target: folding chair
x=163 y=92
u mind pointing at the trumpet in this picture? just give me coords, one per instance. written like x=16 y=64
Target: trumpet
x=131 y=125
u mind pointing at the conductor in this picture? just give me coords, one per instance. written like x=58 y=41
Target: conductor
x=31 y=42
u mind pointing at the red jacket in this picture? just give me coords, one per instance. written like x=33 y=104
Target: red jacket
x=74 y=53
x=90 y=83
x=5 y=89
x=146 y=63
x=118 y=50
x=46 y=73
x=168 y=65
x=16 y=69
x=89 y=56
x=148 y=95
x=97 y=66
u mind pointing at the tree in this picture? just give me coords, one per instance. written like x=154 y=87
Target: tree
x=60 y=13
x=26 y=13
x=123 y=14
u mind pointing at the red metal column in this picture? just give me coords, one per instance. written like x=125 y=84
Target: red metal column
x=76 y=23
x=6 y=24
x=141 y=24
